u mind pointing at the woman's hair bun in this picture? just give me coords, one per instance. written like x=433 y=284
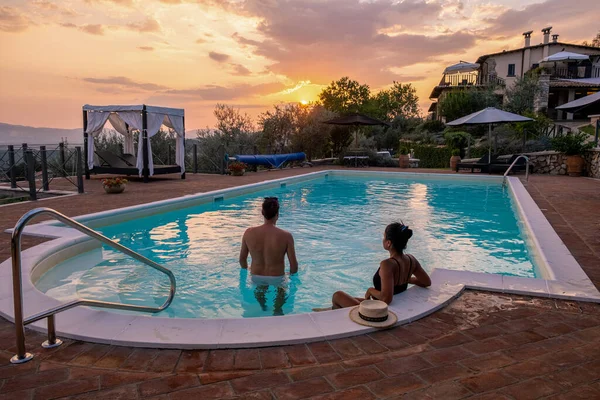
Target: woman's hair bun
x=398 y=234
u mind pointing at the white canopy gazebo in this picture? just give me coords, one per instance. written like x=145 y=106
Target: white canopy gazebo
x=126 y=119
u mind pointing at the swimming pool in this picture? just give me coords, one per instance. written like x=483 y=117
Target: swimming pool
x=337 y=220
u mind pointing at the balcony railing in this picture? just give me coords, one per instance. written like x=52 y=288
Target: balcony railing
x=575 y=72
x=464 y=80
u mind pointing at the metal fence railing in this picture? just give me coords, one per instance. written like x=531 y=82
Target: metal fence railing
x=33 y=169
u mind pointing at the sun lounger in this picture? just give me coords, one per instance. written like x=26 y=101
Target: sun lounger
x=111 y=163
x=482 y=164
x=502 y=163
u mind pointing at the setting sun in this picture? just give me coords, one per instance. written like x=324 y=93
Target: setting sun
x=304 y=102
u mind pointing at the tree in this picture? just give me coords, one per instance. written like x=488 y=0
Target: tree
x=313 y=137
x=458 y=103
x=278 y=126
x=595 y=41
x=341 y=137
x=109 y=140
x=399 y=100
x=521 y=96
x=233 y=134
x=231 y=123
x=345 y=96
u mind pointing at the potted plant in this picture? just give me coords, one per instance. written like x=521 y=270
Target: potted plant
x=114 y=185
x=573 y=146
x=455 y=159
x=403 y=158
x=237 y=168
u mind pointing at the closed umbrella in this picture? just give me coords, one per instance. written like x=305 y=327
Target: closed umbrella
x=490 y=115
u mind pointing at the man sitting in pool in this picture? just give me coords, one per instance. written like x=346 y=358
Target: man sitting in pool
x=268 y=244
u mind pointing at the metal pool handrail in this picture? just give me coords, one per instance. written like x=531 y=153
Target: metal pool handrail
x=513 y=164
x=15 y=250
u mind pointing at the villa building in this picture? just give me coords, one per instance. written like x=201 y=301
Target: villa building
x=567 y=72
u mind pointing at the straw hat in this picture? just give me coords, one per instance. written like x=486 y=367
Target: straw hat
x=373 y=313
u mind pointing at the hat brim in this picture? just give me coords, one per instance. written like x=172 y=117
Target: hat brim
x=391 y=321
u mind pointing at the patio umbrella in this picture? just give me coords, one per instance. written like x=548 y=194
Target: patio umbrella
x=461 y=67
x=489 y=116
x=588 y=104
x=565 y=56
x=356 y=120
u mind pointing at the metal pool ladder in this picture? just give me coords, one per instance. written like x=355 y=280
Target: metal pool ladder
x=512 y=165
x=15 y=251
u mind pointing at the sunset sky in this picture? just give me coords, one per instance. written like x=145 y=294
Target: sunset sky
x=59 y=55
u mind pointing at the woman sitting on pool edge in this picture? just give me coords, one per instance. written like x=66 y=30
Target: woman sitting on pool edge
x=394 y=273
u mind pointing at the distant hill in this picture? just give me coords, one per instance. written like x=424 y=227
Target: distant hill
x=17 y=134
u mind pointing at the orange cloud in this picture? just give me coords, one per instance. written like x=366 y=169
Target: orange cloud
x=13 y=20
x=93 y=29
x=148 y=26
x=218 y=57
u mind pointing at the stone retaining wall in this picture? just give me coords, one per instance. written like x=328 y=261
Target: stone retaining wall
x=592 y=163
x=554 y=163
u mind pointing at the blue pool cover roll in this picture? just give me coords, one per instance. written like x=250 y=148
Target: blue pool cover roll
x=272 y=160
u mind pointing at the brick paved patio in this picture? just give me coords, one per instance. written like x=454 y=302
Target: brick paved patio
x=484 y=346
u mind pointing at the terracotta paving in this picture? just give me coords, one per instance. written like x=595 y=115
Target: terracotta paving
x=482 y=346
x=572 y=205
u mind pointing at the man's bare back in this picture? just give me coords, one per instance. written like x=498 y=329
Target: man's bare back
x=268 y=245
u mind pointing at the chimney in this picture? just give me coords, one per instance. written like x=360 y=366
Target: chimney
x=554 y=38
x=546 y=32
x=527 y=38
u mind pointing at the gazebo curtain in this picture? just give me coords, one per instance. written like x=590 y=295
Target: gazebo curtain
x=97 y=117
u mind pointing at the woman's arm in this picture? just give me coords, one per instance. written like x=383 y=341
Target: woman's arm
x=386 y=273
x=420 y=276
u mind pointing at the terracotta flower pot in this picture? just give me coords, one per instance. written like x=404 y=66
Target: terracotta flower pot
x=454 y=160
x=574 y=165
x=403 y=160
x=238 y=172
x=114 y=189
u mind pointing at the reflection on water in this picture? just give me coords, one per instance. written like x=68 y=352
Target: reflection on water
x=337 y=224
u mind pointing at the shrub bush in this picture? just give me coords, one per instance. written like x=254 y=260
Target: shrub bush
x=432 y=126
x=572 y=145
x=457 y=140
x=432 y=156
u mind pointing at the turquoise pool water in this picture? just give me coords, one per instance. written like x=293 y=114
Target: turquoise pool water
x=338 y=223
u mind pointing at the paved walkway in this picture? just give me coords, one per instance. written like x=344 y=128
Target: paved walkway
x=572 y=205
x=484 y=346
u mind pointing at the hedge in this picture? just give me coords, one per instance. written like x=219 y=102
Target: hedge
x=432 y=156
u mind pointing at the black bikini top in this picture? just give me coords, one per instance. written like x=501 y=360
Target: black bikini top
x=397 y=288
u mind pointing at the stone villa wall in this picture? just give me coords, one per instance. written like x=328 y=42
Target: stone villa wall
x=592 y=163
x=554 y=163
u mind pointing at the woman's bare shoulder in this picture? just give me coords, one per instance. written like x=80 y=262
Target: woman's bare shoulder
x=388 y=263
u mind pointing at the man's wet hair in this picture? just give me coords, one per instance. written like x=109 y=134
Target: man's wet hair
x=270 y=207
